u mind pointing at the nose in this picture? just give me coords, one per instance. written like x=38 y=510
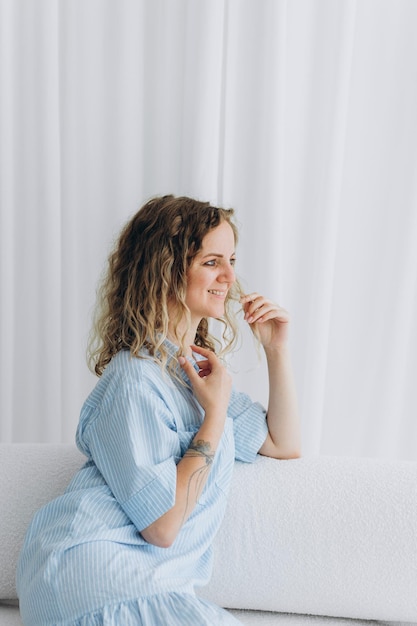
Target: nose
x=228 y=274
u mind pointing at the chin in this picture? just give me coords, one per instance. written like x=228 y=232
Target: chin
x=216 y=314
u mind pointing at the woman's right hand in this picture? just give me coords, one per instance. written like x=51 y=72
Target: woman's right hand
x=212 y=384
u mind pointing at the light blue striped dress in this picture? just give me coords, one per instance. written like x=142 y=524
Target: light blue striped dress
x=84 y=561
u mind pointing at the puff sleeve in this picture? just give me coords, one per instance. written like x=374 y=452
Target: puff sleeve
x=249 y=426
x=133 y=441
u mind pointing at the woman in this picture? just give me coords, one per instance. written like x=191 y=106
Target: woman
x=131 y=537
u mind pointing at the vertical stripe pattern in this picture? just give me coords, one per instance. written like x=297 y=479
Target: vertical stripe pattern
x=84 y=561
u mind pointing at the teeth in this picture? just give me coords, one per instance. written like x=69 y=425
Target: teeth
x=217 y=293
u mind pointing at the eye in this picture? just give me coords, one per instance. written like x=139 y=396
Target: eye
x=211 y=263
x=233 y=261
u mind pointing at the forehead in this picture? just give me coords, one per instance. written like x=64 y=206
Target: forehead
x=220 y=237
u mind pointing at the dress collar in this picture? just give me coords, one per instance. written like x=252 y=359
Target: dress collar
x=172 y=351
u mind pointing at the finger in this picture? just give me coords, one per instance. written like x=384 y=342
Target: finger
x=188 y=368
x=203 y=363
x=257 y=307
x=204 y=366
x=272 y=315
x=201 y=350
x=268 y=311
x=209 y=354
x=250 y=297
x=252 y=300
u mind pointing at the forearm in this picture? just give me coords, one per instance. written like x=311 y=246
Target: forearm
x=284 y=439
x=192 y=473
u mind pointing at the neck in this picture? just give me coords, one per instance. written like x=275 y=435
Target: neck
x=184 y=336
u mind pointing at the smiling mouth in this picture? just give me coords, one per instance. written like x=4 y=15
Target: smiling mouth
x=216 y=292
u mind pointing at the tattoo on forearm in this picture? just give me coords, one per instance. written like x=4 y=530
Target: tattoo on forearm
x=202 y=449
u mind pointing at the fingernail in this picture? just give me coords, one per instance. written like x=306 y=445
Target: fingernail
x=181 y=360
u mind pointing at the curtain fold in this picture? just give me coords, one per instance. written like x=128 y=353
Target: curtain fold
x=301 y=115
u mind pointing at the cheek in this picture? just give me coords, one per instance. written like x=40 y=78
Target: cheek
x=194 y=288
x=198 y=280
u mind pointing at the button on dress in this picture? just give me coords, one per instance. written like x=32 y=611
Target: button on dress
x=84 y=561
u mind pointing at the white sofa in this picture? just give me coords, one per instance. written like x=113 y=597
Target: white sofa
x=301 y=540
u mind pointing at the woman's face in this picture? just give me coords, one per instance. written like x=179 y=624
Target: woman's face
x=211 y=274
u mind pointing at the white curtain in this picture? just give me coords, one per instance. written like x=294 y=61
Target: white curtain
x=301 y=114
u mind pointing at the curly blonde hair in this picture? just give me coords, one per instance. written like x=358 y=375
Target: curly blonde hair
x=147 y=268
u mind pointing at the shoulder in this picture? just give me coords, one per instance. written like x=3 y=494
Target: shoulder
x=127 y=373
x=132 y=369
x=130 y=386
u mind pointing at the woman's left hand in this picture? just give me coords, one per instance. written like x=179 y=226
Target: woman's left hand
x=267 y=320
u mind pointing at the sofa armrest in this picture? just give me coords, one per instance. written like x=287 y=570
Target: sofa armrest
x=324 y=535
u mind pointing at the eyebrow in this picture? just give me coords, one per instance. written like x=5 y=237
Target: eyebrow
x=216 y=254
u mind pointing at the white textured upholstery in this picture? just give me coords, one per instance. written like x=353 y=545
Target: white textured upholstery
x=326 y=536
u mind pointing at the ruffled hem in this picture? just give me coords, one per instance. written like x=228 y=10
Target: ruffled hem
x=167 y=609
